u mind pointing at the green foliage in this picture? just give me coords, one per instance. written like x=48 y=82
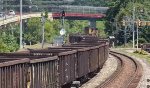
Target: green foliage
x=46 y=14
x=3 y=46
x=101 y=28
x=142 y=40
x=124 y=8
x=8 y=43
x=33 y=32
x=145 y=33
x=75 y=26
x=51 y=30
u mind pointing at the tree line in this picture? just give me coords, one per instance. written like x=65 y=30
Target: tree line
x=32 y=32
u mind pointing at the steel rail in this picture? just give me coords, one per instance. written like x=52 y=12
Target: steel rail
x=115 y=74
x=132 y=82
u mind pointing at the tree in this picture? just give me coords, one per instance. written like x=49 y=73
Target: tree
x=33 y=32
x=51 y=30
x=124 y=8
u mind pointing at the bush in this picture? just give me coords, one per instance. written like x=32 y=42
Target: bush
x=3 y=47
x=8 y=43
x=140 y=52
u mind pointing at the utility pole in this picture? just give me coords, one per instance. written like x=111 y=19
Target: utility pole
x=137 y=29
x=137 y=41
x=63 y=19
x=43 y=22
x=133 y=12
x=125 y=40
x=125 y=31
x=21 y=24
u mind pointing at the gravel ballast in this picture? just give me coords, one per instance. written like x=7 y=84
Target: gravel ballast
x=108 y=69
x=146 y=74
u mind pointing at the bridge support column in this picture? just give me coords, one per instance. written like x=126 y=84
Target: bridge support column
x=92 y=23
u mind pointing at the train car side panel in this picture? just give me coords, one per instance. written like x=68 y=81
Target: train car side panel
x=93 y=59
x=13 y=74
x=67 y=68
x=43 y=74
x=83 y=63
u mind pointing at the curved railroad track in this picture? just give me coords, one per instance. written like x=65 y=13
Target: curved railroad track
x=127 y=75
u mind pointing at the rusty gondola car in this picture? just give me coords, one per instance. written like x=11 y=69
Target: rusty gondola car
x=53 y=67
x=28 y=70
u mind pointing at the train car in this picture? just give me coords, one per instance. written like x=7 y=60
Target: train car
x=86 y=39
x=82 y=66
x=28 y=71
x=66 y=63
x=54 y=67
x=87 y=60
x=92 y=56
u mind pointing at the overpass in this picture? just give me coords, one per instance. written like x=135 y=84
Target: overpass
x=71 y=12
x=16 y=18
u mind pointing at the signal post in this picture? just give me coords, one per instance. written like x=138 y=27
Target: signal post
x=139 y=23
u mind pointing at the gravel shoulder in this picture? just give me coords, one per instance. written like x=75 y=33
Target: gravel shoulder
x=146 y=73
x=108 y=69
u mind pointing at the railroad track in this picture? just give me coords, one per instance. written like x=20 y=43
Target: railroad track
x=127 y=75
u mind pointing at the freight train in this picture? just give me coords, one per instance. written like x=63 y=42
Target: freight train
x=54 y=67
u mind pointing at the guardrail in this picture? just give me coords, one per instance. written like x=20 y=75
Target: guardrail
x=25 y=16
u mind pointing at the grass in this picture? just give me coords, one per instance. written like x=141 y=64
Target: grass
x=128 y=45
x=142 y=56
x=139 y=54
x=35 y=46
